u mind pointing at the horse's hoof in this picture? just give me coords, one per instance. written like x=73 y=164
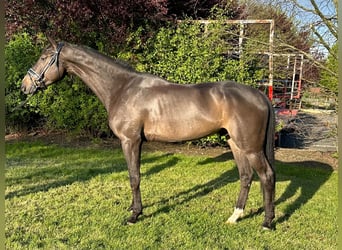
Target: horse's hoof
x=238 y=213
x=267 y=226
x=231 y=222
x=130 y=221
x=133 y=219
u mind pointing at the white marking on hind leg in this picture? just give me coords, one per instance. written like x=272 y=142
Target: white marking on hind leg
x=238 y=213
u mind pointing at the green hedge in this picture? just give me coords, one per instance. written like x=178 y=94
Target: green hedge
x=20 y=52
x=186 y=53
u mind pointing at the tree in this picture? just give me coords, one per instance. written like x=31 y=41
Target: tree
x=319 y=19
x=323 y=22
x=87 y=22
x=99 y=24
x=198 y=9
x=329 y=80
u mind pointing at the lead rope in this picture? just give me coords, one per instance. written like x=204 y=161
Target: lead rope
x=22 y=104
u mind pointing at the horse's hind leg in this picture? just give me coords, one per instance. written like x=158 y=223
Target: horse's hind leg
x=246 y=176
x=267 y=180
x=246 y=162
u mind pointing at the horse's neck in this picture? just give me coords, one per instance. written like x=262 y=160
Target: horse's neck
x=101 y=76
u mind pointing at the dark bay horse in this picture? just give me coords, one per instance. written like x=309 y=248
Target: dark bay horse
x=143 y=107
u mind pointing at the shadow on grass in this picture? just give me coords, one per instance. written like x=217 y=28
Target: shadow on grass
x=160 y=167
x=68 y=166
x=307 y=176
x=47 y=179
x=197 y=191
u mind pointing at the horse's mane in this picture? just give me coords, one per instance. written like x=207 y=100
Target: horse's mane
x=125 y=65
x=96 y=54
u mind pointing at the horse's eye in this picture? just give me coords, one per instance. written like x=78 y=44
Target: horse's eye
x=43 y=58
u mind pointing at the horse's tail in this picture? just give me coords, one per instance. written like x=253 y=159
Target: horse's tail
x=270 y=135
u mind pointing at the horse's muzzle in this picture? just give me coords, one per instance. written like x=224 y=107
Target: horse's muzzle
x=28 y=88
x=24 y=89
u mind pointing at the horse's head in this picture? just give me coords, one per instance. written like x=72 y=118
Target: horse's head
x=46 y=71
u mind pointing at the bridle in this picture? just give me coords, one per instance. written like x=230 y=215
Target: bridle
x=38 y=79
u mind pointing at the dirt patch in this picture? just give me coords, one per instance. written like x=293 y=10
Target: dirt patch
x=309 y=129
x=306 y=157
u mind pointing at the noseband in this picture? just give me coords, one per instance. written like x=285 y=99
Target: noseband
x=38 y=79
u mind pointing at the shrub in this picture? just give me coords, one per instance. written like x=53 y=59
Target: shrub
x=186 y=54
x=70 y=105
x=20 y=52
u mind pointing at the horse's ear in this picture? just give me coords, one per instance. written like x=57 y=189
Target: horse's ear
x=53 y=43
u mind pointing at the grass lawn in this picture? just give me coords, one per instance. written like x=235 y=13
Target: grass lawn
x=76 y=198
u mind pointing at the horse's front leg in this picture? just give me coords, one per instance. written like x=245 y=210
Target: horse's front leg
x=132 y=150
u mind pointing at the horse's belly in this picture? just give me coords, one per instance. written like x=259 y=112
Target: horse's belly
x=179 y=130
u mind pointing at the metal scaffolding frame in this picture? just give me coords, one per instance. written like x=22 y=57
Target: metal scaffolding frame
x=242 y=24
